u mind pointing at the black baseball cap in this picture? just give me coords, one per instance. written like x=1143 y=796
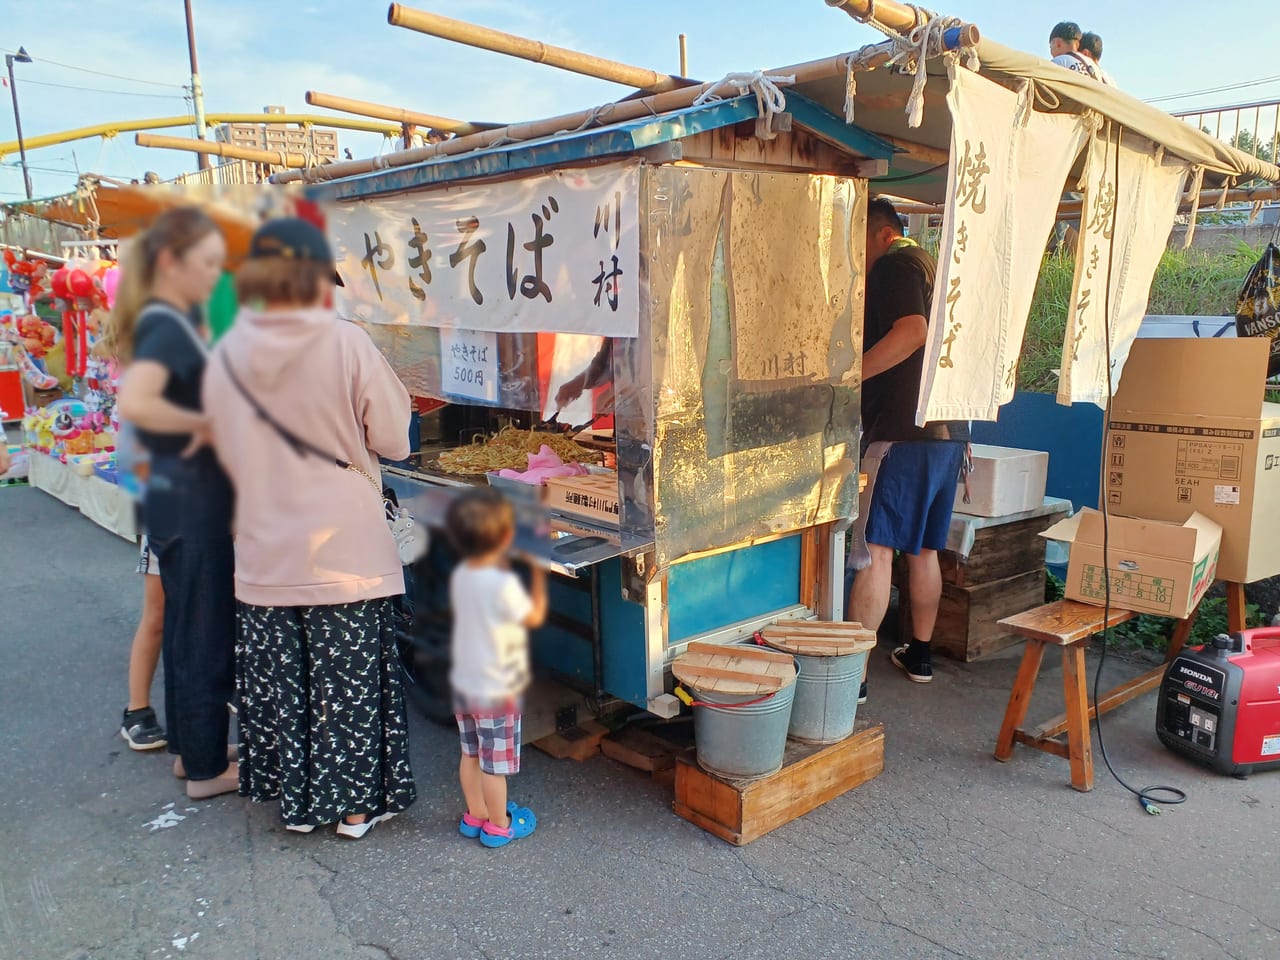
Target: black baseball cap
x=293 y=239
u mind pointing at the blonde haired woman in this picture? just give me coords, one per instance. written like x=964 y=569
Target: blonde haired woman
x=167 y=273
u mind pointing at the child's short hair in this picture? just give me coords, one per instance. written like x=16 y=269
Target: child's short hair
x=479 y=522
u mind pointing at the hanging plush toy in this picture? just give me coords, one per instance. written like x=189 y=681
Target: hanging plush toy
x=26 y=277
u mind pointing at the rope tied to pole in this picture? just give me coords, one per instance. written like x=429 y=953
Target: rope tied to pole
x=770 y=100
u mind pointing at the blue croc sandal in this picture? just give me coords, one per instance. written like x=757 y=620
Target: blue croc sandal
x=523 y=823
x=469 y=826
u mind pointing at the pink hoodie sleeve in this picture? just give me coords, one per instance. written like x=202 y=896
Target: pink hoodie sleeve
x=381 y=400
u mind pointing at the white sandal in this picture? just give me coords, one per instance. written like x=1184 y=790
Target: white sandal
x=354 y=831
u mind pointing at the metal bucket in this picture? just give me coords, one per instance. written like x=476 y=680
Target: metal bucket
x=742 y=743
x=826 y=701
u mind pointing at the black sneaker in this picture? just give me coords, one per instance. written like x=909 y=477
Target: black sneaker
x=862 y=693
x=142 y=731
x=916 y=659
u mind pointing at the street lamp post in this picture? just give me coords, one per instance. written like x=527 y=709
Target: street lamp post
x=9 y=58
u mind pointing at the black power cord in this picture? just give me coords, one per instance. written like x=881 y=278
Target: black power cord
x=1148 y=797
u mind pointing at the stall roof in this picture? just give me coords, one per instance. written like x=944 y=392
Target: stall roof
x=614 y=140
x=118 y=211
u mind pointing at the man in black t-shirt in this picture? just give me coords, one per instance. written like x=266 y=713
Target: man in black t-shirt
x=915 y=486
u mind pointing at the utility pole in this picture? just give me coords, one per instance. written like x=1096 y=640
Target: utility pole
x=9 y=60
x=197 y=93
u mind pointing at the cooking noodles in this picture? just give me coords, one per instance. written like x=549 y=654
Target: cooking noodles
x=509 y=449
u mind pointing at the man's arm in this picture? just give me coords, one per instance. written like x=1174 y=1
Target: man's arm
x=905 y=338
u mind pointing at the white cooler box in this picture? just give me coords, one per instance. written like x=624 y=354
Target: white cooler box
x=1004 y=481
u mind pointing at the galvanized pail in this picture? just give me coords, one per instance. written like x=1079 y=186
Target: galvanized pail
x=826 y=700
x=743 y=743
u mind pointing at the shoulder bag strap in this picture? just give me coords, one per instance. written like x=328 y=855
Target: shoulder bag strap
x=298 y=445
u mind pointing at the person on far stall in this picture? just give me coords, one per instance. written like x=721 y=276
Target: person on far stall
x=168 y=271
x=302 y=405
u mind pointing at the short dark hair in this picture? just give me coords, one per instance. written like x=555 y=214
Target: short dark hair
x=479 y=522
x=1067 y=31
x=882 y=213
x=1092 y=43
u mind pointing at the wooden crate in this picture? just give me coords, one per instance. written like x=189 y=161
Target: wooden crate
x=740 y=811
x=999 y=552
x=593 y=497
x=969 y=617
x=580 y=743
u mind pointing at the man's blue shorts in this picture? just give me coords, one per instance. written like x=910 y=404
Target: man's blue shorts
x=914 y=492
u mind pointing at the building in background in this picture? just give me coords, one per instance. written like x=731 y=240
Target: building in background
x=322 y=144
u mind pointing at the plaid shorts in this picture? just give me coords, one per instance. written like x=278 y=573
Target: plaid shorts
x=493 y=736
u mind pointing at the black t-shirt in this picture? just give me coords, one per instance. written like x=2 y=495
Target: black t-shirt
x=900 y=284
x=159 y=338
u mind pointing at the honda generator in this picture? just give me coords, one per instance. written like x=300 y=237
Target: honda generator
x=1220 y=703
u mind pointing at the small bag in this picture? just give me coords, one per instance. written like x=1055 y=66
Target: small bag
x=411 y=539
x=1258 y=306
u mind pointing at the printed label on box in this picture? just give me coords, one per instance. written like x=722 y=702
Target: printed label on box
x=1226 y=494
x=1271 y=746
x=1212 y=461
x=1156 y=593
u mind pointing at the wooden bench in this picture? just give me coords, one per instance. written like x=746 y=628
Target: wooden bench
x=1069 y=625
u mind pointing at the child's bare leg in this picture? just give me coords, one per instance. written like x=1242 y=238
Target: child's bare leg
x=495 y=798
x=471 y=778
x=147 y=641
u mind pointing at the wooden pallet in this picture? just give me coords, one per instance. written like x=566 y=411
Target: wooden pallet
x=739 y=811
x=579 y=743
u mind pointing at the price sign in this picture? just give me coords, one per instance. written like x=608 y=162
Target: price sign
x=469 y=364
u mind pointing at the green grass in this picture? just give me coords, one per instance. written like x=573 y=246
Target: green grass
x=1187 y=283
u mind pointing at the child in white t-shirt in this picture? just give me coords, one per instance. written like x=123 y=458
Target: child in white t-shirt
x=492 y=614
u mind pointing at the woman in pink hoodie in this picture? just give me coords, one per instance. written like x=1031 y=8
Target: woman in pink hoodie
x=301 y=406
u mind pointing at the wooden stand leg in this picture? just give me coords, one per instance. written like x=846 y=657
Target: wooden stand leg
x=1237 y=608
x=1019 y=698
x=1181 y=634
x=1079 y=739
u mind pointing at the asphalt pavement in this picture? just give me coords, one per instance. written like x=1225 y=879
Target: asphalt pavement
x=946 y=854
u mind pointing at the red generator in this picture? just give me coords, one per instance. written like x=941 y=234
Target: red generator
x=1220 y=703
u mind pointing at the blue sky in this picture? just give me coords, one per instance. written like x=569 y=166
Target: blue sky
x=259 y=52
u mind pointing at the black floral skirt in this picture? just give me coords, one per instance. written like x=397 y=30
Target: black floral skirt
x=322 y=715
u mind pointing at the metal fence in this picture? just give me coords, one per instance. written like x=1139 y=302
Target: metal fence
x=1251 y=127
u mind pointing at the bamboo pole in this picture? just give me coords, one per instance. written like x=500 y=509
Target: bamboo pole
x=933 y=156
x=459 y=31
x=684 y=55
x=278 y=158
x=619 y=112
x=897 y=16
x=1072 y=208
x=400 y=115
x=109 y=130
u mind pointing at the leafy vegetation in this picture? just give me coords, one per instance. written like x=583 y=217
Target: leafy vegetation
x=1187 y=283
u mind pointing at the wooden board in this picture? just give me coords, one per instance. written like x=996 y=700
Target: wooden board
x=734 y=669
x=1063 y=622
x=969 y=618
x=999 y=552
x=640 y=750
x=814 y=638
x=580 y=743
x=740 y=811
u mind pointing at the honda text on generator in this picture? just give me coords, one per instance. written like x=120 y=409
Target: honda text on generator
x=1220 y=703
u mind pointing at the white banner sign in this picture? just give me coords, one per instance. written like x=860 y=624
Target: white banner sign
x=1130 y=202
x=553 y=253
x=1009 y=164
x=469 y=364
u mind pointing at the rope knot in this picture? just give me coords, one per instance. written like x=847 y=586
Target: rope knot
x=770 y=100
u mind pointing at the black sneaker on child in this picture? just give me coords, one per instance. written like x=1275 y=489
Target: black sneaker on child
x=142 y=731
x=862 y=693
x=916 y=660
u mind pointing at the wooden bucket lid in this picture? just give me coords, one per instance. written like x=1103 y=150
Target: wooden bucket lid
x=813 y=638
x=734 y=669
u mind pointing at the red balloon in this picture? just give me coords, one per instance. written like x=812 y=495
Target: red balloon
x=58 y=283
x=80 y=284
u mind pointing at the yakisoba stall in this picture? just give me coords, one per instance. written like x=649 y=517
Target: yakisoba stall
x=711 y=312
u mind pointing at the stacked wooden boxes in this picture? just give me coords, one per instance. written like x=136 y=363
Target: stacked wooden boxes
x=1004 y=573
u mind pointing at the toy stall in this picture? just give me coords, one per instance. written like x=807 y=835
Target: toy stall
x=648 y=335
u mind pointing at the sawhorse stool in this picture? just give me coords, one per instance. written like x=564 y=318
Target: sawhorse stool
x=1069 y=625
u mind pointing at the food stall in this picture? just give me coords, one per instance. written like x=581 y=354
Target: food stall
x=703 y=267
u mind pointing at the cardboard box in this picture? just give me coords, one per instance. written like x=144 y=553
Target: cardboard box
x=1155 y=567
x=1004 y=481
x=594 y=497
x=1189 y=431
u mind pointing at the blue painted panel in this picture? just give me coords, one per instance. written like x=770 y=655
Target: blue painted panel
x=622 y=623
x=826 y=124
x=716 y=591
x=1071 y=435
x=556 y=648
